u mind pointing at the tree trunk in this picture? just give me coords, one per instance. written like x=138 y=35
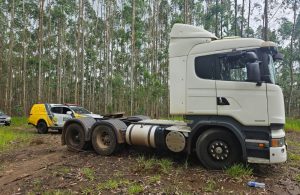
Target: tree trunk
x=235 y=17
x=24 y=60
x=41 y=16
x=133 y=56
x=8 y=99
x=248 y=23
x=265 y=34
x=242 y=20
x=292 y=59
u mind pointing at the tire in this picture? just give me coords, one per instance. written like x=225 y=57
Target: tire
x=42 y=127
x=104 y=140
x=218 y=149
x=7 y=124
x=75 y=138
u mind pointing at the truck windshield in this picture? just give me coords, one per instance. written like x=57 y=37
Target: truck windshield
x=271 y=68
x=80 y=110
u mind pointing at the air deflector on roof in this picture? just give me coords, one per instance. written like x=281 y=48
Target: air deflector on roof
x=188 y=31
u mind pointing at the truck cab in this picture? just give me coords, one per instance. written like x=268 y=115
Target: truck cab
x=228 y=84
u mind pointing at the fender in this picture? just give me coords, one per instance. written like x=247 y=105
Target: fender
x=206 y=122
x=86 y=123
x=117 y=125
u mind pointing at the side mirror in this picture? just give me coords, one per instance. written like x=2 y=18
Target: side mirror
x=253 y=72
x=278 y=56
x=69 y=112
x=250 y=56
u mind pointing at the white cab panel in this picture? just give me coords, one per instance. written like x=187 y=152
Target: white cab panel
x=177 y=85
x=275 y=104
x=248 y=102
x=201 y=93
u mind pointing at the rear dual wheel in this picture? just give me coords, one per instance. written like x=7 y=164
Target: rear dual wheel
x=104 y=140
x=75 y=138
x=218 y=149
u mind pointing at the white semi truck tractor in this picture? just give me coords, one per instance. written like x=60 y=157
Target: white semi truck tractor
x=225 y=89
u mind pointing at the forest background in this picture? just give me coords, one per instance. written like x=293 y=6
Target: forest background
x=112 y=55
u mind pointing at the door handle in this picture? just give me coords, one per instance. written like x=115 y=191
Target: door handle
x=222 y=101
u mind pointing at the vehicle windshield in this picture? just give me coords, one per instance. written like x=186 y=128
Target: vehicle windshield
x=271 y=67
x=80 y=110
x=1 y=112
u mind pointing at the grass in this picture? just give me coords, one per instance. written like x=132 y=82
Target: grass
x=153 y=165
x=154 y=179
x=135 y=189
x=293 y=143
x=239 y=171
x=297 y=178
x=293 y=156
x=19 y=121
x=57 y=192
x=210 y=186
x=88 y=173
x=112 y=184
x=292 y=124
x=14 y=133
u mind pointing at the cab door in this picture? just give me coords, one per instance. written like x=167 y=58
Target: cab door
x=236 y=97
x=201 y=85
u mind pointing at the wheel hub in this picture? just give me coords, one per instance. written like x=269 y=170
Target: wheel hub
x=219 y=150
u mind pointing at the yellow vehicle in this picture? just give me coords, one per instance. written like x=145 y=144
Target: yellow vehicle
x=54 y=116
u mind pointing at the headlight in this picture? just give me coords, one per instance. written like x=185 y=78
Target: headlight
x=8 y=119
x=278 y=142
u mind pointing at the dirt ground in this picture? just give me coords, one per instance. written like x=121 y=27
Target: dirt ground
x=44 y=166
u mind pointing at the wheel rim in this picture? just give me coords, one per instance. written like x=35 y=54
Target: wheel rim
x=103 y=140
x=74 y=137
x=219 y=150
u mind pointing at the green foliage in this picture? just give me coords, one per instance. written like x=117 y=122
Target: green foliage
x=88 y=173
x=153 y=165
x=297 y=178
x=293 y=157
x=108 y=185
x=9 y=136
x=239 y=171
x=135 y=189
x=154 y=179
x=292 y=124
x=210 y=186
x=112 y=184
x=57 y=192
x=19 y=121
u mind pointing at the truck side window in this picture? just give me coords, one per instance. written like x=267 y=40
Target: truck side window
x=230 y=69
x=205 y=66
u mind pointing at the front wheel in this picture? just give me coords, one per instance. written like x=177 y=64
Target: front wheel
x=218 y=149
x=104 y=140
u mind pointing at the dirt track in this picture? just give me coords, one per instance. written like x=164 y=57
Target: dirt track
x=44 y=166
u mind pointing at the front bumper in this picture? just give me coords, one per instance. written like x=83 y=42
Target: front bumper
x=277 y=155
x=273 y=154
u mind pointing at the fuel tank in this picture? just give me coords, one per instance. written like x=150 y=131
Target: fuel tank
x=142 y=135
